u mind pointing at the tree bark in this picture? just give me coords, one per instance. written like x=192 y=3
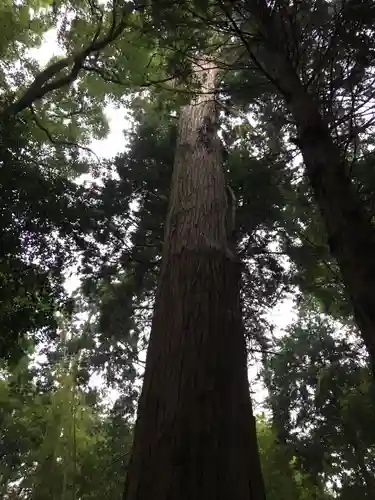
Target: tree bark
x=351 y=234
x=195 y=434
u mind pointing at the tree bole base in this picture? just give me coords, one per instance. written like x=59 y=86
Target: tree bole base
x=195 y=437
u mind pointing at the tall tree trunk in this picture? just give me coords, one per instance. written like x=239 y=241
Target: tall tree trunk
x=351 y=234
x=195 y=434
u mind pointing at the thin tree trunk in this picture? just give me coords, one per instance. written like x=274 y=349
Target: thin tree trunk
x=195 y=435
x=351 y=234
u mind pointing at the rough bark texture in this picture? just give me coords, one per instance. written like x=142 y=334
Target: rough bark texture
x=351 y=235
x=195 y=435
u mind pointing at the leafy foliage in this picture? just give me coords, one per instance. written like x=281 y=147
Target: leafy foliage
x=58 y=438
x=282 y=478
x=53 y=432
x=321 y=395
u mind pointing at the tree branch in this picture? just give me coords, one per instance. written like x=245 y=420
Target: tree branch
x=49 y=80
x=56 y=141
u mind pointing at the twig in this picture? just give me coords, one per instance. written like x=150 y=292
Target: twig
x=57 y=141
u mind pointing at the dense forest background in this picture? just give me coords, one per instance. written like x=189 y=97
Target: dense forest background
x=71 y=363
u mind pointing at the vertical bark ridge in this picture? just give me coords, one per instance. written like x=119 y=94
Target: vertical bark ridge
x=194 y=437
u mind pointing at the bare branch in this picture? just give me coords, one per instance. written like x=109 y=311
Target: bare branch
x=109 y=77
x=57 y=141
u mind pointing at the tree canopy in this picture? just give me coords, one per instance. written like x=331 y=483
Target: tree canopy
x=294 y=95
